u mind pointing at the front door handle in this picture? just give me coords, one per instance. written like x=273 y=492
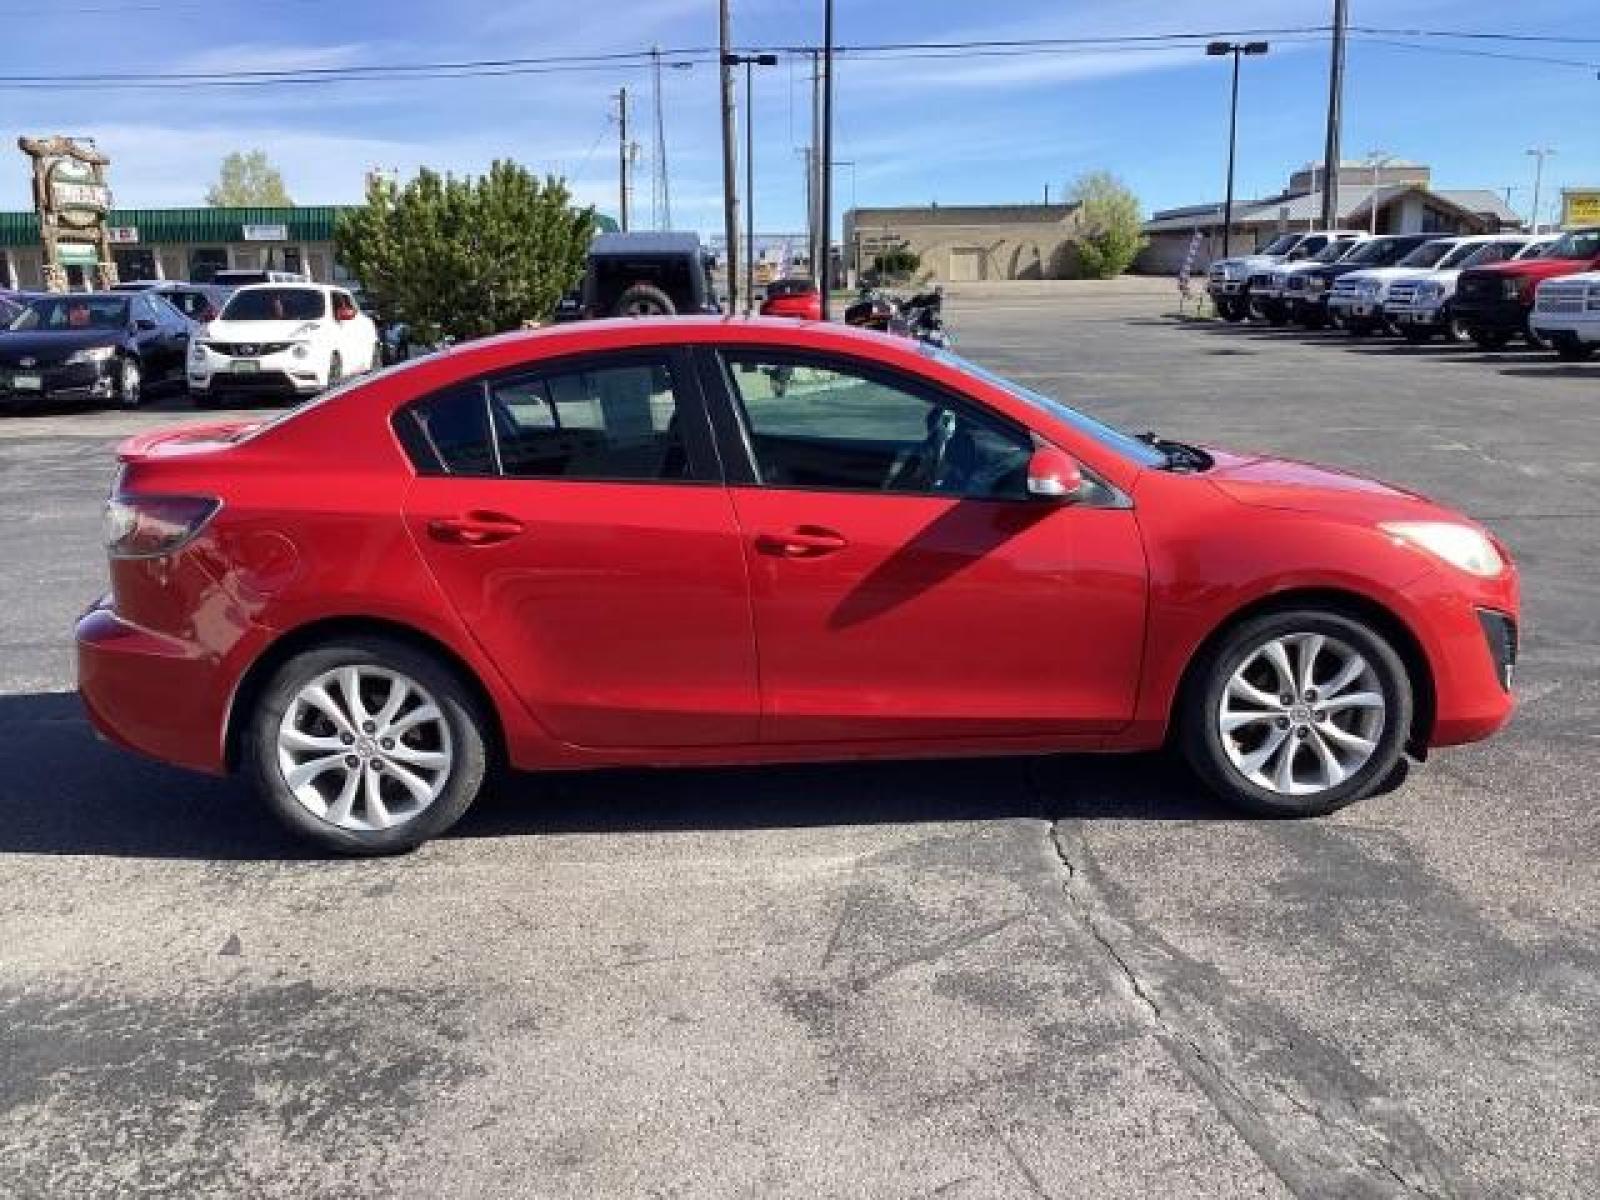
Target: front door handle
x=804 y=541
x=475 y=528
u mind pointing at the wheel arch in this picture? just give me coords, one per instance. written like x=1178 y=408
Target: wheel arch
x=1343 y=603
x=328 y=629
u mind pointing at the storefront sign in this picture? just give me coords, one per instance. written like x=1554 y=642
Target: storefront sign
x=123 y=235
x=266 y=233
x=1580 y=207
x=72 y=199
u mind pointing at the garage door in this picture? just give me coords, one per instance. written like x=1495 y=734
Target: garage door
x=966 y=264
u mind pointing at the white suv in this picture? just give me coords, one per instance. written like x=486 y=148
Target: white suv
x=1418 y=303
x=294 y=339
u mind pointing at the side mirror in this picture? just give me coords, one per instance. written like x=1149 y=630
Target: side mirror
x=1053 y=475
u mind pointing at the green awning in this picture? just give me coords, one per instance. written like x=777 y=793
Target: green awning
x=195 y=226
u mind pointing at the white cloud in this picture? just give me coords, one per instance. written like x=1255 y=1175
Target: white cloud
x=272 y=56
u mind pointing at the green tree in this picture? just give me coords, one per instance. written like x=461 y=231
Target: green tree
x=1109 y=223
x=466 y=257
x=898 y=261
x=248 y=180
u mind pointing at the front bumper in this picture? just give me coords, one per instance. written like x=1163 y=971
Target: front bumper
x=1581 y=328
x=1469 y=632
x=1431 y=316
x=1499 y=316
x=82 y=382
x=1354 y=307
x=281 y=373
x=1227 y=288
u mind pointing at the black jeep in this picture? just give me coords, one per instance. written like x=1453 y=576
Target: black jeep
x=646 y=275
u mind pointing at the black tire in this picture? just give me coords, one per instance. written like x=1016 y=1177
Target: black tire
x=1569 y=350
x=1231 y=311
x=1490 y=339
x=1417 y=334
x=202 y=399
x=1360 y=326
x=130 y=382
x=1314 y=320
x=1201 y=737
x=335 y=370
x=644 y=300
x=468 y=744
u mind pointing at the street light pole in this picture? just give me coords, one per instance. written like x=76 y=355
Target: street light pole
x=730 y=166
x=1376 y=159
x=1540 y=153
x=1217 y=50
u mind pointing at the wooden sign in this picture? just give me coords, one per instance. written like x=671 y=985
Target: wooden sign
x=73 y=201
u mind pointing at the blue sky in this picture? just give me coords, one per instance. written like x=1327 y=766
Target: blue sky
x=966 y=130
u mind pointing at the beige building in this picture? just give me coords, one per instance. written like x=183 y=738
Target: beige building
x=1402 y=194
x=961 y=243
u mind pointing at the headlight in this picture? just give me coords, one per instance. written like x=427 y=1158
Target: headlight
x=1368 y=287
x=197 y=351
x=1591 y=299
x=94 y=354
x=301 y=350
x=1430 y=291
x=1316 y=283
x=1461 y=546
x=1513 y=289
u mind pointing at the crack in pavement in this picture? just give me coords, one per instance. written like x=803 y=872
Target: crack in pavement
x=1318 y=1122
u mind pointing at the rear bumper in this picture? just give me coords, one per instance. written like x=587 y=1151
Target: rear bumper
x=151 y=693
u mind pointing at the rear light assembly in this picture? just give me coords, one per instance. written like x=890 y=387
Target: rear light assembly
x=146 y=526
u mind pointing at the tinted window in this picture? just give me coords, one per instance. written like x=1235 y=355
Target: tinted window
x=1581 y=243
x=832 y=427
x=1427 y=255
x=450 y=430
x=604 y=422
x=190 y=304
x=76 y=312
x=276 y=304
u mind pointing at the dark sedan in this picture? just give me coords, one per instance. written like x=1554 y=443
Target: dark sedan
x=91 y=347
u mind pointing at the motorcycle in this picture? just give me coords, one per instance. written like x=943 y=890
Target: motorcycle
x=920 y=316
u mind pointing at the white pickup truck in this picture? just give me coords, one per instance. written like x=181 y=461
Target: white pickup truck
x=1566 y=313
x=1269 y=290
x=1357 y=299
x=1228 y=280
x=1418 y=303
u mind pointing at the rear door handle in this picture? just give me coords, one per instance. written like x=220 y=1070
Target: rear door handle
x=475 y=528
x=805 y=541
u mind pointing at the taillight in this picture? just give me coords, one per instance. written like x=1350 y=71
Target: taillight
x=140 y=526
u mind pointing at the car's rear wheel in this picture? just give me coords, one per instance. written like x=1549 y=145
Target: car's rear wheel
x=367 y=746
x=1298 y=713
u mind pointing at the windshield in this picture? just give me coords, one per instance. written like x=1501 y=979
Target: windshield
x=1113 y=439
x=1427 y=255
x=1281 y=244
x=65 y=313
x=1534 y=250
x=1580 y=243
x=1332 y=252
x=276 y=304
x=1462 y=255
x=1376 y=250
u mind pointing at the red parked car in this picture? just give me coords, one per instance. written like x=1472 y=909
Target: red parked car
x=797 y=298
x=700 y=541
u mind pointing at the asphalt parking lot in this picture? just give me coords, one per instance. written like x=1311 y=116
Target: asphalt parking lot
x=1032 y=977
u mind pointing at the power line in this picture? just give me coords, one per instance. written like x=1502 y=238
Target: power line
x=1478 y=35
x=1464 y=52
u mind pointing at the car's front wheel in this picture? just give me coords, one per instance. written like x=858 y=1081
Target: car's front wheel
x=367 y=746
x=1298 y=713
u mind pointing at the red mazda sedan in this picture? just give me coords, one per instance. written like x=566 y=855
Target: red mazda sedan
x=720 y=541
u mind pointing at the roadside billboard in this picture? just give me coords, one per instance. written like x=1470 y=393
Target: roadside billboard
x=73 y=201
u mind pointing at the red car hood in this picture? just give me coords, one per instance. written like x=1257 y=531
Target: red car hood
x=1286 y=483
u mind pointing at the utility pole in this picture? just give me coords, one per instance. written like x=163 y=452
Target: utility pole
x=1330 y=154
x=814 y=167
x=1540 y=153
x=730 y=164
x=825 y=276
x=624 y=184
x=660 y=207
x=750 y=187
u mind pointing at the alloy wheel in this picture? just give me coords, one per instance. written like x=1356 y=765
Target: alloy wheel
x=129 y=384
x=364 y=748
x=1302 y=713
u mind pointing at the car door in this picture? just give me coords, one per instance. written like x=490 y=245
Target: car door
x=574 y=514
x=904 y=584
x=152 y=339
x=178 y=329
